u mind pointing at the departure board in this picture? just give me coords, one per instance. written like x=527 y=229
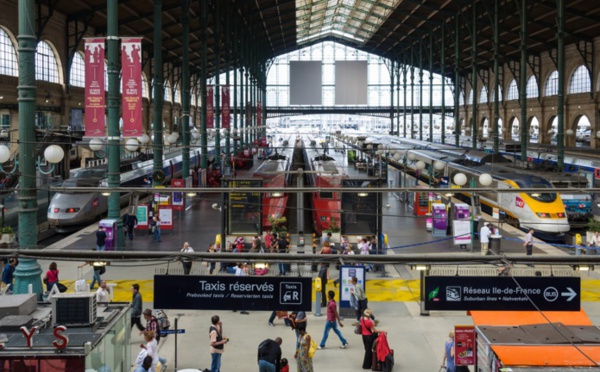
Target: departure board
x=245 y=208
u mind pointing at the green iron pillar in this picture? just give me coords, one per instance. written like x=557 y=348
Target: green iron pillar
x=248 y=110
x=421 y=90
x=474 y=76
x=114 y=108
x=234 y=109
x=496 y=122
x=158 y=88
x=227 y=73
x=392 y=76
x=443 y=73
x=412 y=95
x=405 y=81
x=398 y=98
x=560 y=109
x=185 y=85
x=203 y=75
x=431 y=88
x=28 y=271
x=217 y=35
x=457 y=92
x=523 y=80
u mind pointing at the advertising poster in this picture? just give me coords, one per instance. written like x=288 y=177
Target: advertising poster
x=464 y=345
x=142 y=216
x=461 y=232
x=178 y=195
x=346 y=287
x=210 y=108
x=131 y=67
x=165 y=213
x=225 y=109
x=94 y=87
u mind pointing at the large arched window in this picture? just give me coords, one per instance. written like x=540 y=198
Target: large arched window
x=46 y=68
x=8 y=55
x=77 y=73
x=167 y=92
x=470 y=99
x=461 y=98
x=552 y=84
x=483 y=95
x=532 y=89
x=580 y=81
x=513 y=91
x=499 y=95
x=177 y=93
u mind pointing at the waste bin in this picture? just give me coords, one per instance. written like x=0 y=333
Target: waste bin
x=495 y=244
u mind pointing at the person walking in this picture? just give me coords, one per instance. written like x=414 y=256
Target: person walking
x=130 y=221
x=51 y=276
x=152 y=348
x=185 y=261
x=217 y=343
x=152 y=325
x=98 y=271
x=448 y=361
x=156 y=229
x=211 y=265
x=361 y=298
x=269 y=355
x=136 y=307
x=100 y=239
x=484 y=238
x=8 y=274
x=324 y=276
x=298 y=321
x=528 y=243
x=369 y=333
x=146 y=364
x=103 y=292
x=303 y=360
x=333 y=319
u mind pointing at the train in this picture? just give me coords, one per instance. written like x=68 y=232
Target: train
x=544 y=212
x=69 y=211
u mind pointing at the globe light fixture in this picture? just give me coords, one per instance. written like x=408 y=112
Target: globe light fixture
x=4 y=154
x=132 y=145
x=144 y=139
x=96 y=144
x=460 y=179
x=439 y=165
x=420 y=165
x=485 y=179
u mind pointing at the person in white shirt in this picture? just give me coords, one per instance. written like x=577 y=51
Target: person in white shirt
x=186 y=262
x=152 y=348
x=103 y=293
x=484 y=238
x=528 y=243
x=595 y=240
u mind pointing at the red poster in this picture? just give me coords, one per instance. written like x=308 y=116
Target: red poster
x=94 y=87
x=210 y=109
x=258 y=115
x=131 y=67
x=225 y=109
x=178 y=201
x=464 y=345
x=248 y=115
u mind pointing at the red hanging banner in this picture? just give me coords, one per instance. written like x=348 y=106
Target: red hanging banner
x=210 y=109
x=94 y=88
x=131 y=67
x=225 y=109
x=258 y=115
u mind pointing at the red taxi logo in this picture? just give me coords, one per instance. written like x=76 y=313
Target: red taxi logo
x=520 y=203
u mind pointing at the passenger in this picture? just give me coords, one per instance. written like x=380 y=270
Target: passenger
x=448 y=361
x=274 y=247
x=269 y=355
x=268 y=239
x=212 y=265
x=239 y=244
x=324 y=276
x=363 y=246
x=98 y=271
x=484 y=238
x=186 y=262
x=283 y=247
x=146 y=364
x=217 y=343
x=303 y=360
x=130 y=222
x=326 y=249
x=256 y=245
x=369 y=334
x=344 y=243
x=298 y=321
x=528 y=243
x=595 y=242
x=284 y=365
x=136 y=307
x=326 y=238
x=242 y=270
x=103 y=292
x=100 y=239
x=359 y=295
x=152 y=348
x=333 y=319
x=8 y=274
x=155 y=224
x=51 y=277
x=152 y=326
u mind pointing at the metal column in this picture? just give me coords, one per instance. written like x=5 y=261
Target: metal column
x=420 y=90
x=560 y=109
x=496 y=80
x=114 y=108
x=457 y=92
x=203 y=74
x=28 y=271
x=431 y=88
x=227 y=73
x=412 y=94
x=185 y=87
x=217 y=37
x=474 y=76
x=443 y=72
x=158 y=88
x=405 y=67
x=392 y=76
x=523 y=80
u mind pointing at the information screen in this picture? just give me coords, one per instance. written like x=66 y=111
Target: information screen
x=245 y=208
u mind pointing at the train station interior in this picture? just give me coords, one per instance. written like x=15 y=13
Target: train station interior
x=246 y=158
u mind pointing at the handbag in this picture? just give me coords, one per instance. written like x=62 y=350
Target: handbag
x=46 y=280
x=61 y=287
x=358 y=329
x=312 y=349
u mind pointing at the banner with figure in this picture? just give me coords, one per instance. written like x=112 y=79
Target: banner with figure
x=94 y=87
x=258 y=115
x=131 y=67
x=225 y=109
x=210 y=110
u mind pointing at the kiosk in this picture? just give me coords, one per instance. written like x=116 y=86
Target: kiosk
x=440 y=219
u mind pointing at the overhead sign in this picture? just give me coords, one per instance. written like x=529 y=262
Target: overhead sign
x=188 y=292
x=245 y=208
x=502 y=293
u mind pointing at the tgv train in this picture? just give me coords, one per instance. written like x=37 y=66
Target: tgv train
x=543 y=212
x=324 y=172
x=68 y=211
x=274 y=172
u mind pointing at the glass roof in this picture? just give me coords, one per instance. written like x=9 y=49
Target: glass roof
x=352 y=20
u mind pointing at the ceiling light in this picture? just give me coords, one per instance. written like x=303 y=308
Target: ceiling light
x=276 y=194
x=363 y=194
x=106 y=193
x=535 y=194
x=420 y=267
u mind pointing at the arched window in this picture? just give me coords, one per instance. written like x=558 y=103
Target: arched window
x=532 y=90
x=580 y=81
x=46 y=68
x=144 y=86
x=167 y=92
x=8 y=55
x=552 y=84
x=470 y=99
x=483 y=95
x=77 y=73
x=499 y=95
x=513 y=91
x=461 y=98
x=177 y=94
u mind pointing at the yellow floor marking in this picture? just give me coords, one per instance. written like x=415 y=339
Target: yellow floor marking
x=378 y=290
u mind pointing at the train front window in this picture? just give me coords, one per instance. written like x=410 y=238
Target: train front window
x=544 y=197
x=326 y=195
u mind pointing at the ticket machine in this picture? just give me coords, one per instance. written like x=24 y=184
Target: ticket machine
x=440 y=219
x=461 y=211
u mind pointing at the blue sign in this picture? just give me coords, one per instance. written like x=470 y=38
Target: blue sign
x=171 y=331
x=444 y=181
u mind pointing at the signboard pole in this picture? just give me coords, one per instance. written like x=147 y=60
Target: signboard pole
x=176 y=319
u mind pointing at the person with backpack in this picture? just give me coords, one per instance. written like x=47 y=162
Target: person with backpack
x=269 y=355
x=153 y=325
